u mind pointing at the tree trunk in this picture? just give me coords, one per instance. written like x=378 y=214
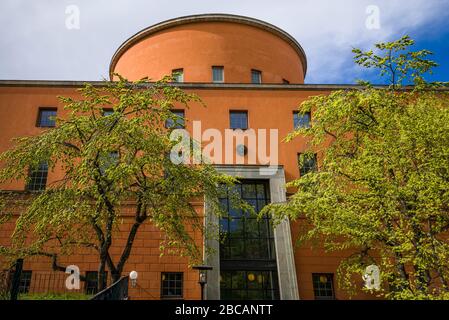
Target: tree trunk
x=101 y=284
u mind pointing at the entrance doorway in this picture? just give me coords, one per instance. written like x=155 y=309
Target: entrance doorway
x=248 y=269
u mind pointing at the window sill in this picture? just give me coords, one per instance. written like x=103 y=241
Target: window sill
x=239 y=129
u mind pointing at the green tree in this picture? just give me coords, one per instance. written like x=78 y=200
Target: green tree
x=382 y=188
x=107 y=161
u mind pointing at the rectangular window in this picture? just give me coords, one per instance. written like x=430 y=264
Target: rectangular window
x=238 y=119
x=47 y=117
x=301 y=120
x=90 y=286
x=256 y=76
x=323 y=286
x=244 y=236
x=309 y=164
x=37 y=178
x=107 y=111
x=218 y=74
x=249 y=285
x=178 y=75
x=177 y=122
x=25 y=281
x=171 y=285
x=91 y=283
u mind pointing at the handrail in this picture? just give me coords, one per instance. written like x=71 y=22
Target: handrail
x=116 y=291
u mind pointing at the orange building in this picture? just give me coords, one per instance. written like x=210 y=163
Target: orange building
x=250 y=74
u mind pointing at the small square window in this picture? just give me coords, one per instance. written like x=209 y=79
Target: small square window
x=171 y=285
x=37 y=178
x=301 y=120
x=218 y=74
x=178 y=122
x=309 y=164
x=256 y=76
x=323 y=286
x=178 y=75
x=47 y=117
x=238 y=120
x=91 y=283
x=25 y=281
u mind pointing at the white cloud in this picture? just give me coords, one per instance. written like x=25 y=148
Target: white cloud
x=38 y=46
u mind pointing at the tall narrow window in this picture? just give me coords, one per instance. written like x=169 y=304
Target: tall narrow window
x=248 y=269
x=25 y=281
x=37 y=178
x=171 y=285
x=323 y=286
x=238 y=119
x=301 y=120
x=309 y=164
x=177 y=122
x=178 y=75
x=218 y=74
x=47 y=117
x=256 y=76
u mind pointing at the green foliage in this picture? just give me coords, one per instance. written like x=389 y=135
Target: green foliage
x=382 y=189
x=108 y=161
x=53 y=296
x=395 y=60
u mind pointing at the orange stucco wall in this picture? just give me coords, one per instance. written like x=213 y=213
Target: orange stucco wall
x=196 y=47
x=267 y=109
x=145 y=258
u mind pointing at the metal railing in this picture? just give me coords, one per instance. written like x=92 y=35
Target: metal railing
x=5 y=284
x=16 y=283
x=117 y=291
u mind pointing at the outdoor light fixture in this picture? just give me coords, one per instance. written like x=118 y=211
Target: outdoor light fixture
x=202 y=280
x=133 y=276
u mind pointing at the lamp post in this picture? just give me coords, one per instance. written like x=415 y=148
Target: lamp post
x=133 y=277
x=202 y=269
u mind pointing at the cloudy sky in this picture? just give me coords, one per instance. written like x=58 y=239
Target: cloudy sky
x=36 y=43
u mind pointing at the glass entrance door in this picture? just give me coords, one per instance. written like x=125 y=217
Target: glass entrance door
x=247 y=252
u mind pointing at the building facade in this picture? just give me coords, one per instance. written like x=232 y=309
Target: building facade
x=250 y=75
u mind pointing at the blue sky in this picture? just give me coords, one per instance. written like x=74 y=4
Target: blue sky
x=38 y=45
x=439 y=45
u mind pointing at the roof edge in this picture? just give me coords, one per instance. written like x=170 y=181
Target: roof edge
x=209 y=17
x=197 y=85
